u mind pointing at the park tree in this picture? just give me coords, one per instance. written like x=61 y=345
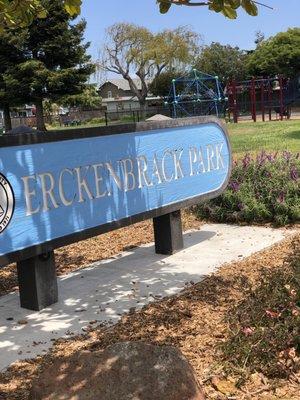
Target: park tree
x=224 y=61
x=160 y=86
x=11 y=54
x=279 y=54
x=225 y=7
x=134 y=49
x=23 y=12
x=88 y=98
x=56 y=62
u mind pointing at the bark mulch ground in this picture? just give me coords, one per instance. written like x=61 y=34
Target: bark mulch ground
x=80 y=254
x=194 y=321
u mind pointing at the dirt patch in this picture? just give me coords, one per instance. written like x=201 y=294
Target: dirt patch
x=195 y=321
x=78 y=255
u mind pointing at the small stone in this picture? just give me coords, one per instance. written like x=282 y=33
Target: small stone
x=224 y=386
x=22 y=322
x=9 y=319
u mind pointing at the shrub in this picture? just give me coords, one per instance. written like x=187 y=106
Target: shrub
x=95 y=121
x=265 y=327
x=261 y=189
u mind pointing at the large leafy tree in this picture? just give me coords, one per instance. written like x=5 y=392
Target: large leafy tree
x=225 y=61
x=161 y=85
x=56 y=61
x=279 y=54
x=23 y=12
x=226 y=7
x=88 y=98
x=11 y=54
x=134 y=49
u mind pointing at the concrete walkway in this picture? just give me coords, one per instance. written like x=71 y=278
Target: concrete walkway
x=107 y=289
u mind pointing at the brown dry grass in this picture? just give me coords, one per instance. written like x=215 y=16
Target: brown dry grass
x=194 y=321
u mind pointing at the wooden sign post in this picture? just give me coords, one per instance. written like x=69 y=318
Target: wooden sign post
x=61 y=187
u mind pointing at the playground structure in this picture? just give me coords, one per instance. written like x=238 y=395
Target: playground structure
x=262 y=96
x=196 y=94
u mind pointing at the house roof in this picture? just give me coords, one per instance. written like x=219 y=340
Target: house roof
x=123 y=83
x=127 y=98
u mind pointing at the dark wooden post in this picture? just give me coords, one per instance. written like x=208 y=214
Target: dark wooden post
x=234 y=101
x=253 y=99
x=37 y=281
x=281 y=97
x=270 y=101
x=263 y=100
x=168 y=233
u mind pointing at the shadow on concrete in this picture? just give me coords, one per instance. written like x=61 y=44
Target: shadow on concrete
x=103 y=292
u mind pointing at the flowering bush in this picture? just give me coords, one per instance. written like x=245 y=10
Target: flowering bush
x=265 y=327
x=262 y=189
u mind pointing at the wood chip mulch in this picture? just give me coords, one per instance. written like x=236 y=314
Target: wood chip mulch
x=81 y=254
x=193 y=321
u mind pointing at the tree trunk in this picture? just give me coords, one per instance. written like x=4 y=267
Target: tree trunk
x=7 y=119
x=40 y=123
x=142 y=109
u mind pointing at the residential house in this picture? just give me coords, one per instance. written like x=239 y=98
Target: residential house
x=117 y=96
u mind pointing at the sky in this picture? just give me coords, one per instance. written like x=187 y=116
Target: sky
x=213 y=27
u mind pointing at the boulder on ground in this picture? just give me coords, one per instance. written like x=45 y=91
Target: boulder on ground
x=158 y=117
x=123 y=371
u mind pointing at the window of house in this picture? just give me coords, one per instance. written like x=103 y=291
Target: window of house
x=109 y=94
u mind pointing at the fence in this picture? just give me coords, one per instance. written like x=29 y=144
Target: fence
x=116 y=117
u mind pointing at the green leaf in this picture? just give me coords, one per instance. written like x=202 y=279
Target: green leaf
x=250 y=7
x=229 y=12
x=234 y=3
x=217 y=5
x=164 y=6
x=42 y=13
x=73 y=7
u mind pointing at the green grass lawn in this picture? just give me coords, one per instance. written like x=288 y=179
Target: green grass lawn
x=252 y=137
x=270 y=136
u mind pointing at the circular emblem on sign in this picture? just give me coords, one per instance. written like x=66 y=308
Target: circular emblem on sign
x=7 y=203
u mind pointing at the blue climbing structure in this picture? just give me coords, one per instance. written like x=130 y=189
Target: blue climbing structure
x=197 y=93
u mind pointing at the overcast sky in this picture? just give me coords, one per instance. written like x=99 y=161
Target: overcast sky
x=100 y=14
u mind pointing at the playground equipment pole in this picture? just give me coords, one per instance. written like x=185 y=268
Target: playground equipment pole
x=281 y=97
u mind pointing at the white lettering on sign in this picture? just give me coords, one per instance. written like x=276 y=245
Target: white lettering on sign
x=43 y=192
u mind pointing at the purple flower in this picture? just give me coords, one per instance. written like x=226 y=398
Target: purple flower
x=261 y=158
x=241 y=206
x=268 y=174
x=234 y=186
x=287 y=155
x=246 y=160
x=281 y=197
x=294 y=173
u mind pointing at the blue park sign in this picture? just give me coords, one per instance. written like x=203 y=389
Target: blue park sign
x=58 y=188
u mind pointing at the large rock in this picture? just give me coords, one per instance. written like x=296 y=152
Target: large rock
x=124 y=371
x=158 y=117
